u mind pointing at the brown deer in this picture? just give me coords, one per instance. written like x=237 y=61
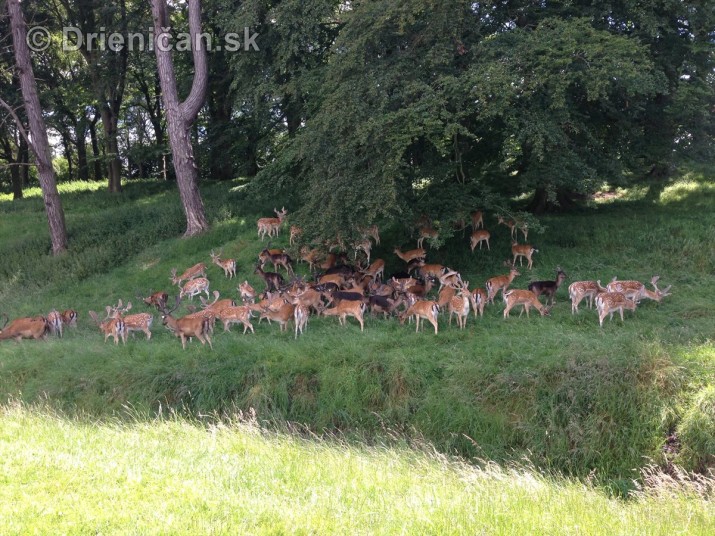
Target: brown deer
x=610 y=302
x=346 y=308
x=477 y=220
x=636 y=291
x=197 y=270
x=24 y=328
x=523 y=251
x=478 y=237
x=501 y=282
x=424 y=309
x=158 y=300
x=271 y=226
x=111 y=327
x=548 y=288
x=578 y=290
x=187 y=326
x=194 y=287
x=426 y=232
x=528 y=299
x=407 y=256
x=136 y=322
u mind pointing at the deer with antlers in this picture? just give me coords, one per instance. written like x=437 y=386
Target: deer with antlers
x=636 y=291
x=197 y=270
x=501 y=282
x=271 y=226
x=188 y=326
x=459 y=306
x=227 y=265
x=24 y=328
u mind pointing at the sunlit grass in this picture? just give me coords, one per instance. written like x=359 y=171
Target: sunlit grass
x=72 y=187
x=175 y=476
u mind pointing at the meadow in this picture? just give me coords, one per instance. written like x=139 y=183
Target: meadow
x=555 y=404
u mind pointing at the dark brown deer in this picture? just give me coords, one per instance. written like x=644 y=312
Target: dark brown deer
x=548 y=288
x=274 y=281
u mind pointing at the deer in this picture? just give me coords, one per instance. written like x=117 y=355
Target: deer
x=194 y=287
x=157 y=299
x=636 y=291
x=423 y=309
x=578 y=290
x=247 y=293
x=376 y=270
x=273 y=280
x=240 y=314
x=501 y=282
x=54 y=322
x=197 y=270
x=450 y=278
x=69 y=318
x=513 y=226
x=227 y=265
x=188 y=326
x=346 y=308
x=111 y=327
x=526 y=298
x=281 y=258
x=426 y=232
x=407 y=256
x=610 y=302
x=478 y=299
x=295 y=233
x=548 y=288
x=300 y=317
x=24 y=328
x=478 y=237
x=431 y=270
x=523 y=251
x=371 y=232
x=309 y=256
x=136 y=322
x=282 y=315
x=381 y=304
x=477 y=220
x=365 y=246
x=216 y=305
x=271 y=226
x=459 y=305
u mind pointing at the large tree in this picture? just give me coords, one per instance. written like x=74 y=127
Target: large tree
x=181 y=115
x=37 y=139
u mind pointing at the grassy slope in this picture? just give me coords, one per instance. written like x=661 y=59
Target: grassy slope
x=171 y=476
x=570 y=395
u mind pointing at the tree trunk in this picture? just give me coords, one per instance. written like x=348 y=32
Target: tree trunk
x=40 y=143
x=24 y=159
x=16 y=182
x=97 y=157
x=181 y=115
x=81 y=137
x=114 y=165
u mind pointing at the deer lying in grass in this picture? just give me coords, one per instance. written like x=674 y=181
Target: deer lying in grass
x=548 y=288
x=24 y=328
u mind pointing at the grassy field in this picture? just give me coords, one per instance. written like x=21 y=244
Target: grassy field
x=174 y=476
x=574 y=398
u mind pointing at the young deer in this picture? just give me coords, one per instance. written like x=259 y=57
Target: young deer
x=501 y=282
x=477 y=220
x=478 y=298
x=578 y=290
x=228 y=265
x=273 y=280
x=523 y=251
x=459 y=305
x=548 y=288
x=478 y=237
x=528 y=299
x=111 y=327
x=247 y=293
x=610 y=302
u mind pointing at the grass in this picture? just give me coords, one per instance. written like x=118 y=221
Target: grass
x=171 y=475
x=575 y=398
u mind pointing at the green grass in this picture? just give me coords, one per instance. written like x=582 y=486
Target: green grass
x=572 y=397
x=174 y=476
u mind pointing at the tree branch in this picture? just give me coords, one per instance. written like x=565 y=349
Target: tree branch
x=191 y=106
x=19 y=125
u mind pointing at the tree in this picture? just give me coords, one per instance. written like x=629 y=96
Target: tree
x=37 y=140
x=181 y=115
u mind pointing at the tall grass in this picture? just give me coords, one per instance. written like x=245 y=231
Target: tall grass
x=172 y=475
x=571 y=396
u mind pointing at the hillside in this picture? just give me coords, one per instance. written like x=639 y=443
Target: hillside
x=573 y=397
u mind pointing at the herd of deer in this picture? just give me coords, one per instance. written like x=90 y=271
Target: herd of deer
x=343 y=290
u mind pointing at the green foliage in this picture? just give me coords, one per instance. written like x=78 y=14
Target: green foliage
x=696 y=431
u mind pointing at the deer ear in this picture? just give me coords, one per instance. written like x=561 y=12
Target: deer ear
x=129 y=306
